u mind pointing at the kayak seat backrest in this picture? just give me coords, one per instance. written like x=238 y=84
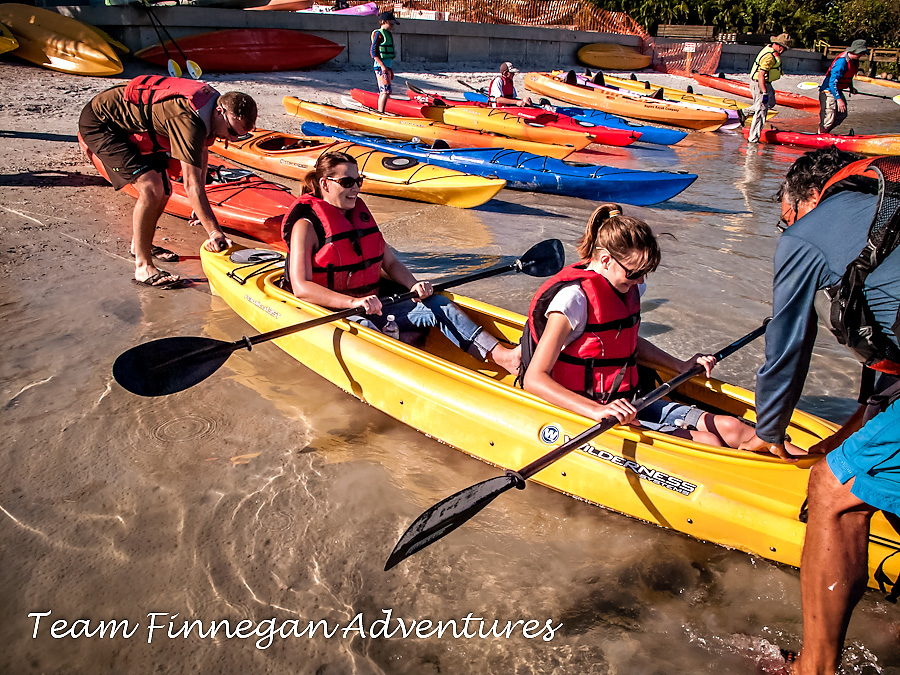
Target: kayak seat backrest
x=440 y=144
x=571 y=77
x=282 y=143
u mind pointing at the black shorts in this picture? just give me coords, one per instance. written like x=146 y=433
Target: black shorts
x=113 y=146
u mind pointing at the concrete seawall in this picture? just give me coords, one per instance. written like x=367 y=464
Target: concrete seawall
x=433 y=44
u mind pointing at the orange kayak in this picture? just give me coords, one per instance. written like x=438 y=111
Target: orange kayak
x=242 y=201
x=407 y=128
x=627 y=104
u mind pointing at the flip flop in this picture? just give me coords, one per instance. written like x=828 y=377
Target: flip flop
x=163 y=254
x=155 y=281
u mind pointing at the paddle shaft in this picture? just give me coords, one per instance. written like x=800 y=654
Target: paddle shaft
x=814 y=85
x=558 y=453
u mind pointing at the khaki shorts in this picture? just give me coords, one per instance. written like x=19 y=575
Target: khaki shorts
x=829 y=117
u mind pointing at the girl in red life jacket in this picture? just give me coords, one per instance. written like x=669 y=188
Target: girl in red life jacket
x=583 y=323
x=338 y=259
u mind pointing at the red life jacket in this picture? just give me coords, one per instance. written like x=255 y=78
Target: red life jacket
x=842 y=306
x=145 y=90
x=507 y=88
x=348 y=255
x=849 y=74
x=601 y=363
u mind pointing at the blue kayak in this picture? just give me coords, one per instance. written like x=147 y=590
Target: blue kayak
x=526 y=171
x=649 y=133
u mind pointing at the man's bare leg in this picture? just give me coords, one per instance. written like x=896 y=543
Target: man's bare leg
x=833 y=569
x=149 y=207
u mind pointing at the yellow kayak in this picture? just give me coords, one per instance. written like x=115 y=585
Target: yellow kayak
x=388 y=175
x=612 y=56
x=407 y=128
x=645 y=87
x=626 y=104
x=8 y=41
x=880 y=81
x=501 y=122
x=59 y=43
x=735 y=499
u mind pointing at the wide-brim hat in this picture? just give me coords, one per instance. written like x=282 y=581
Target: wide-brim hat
x=388 y=16
x=858 y=47
x=784 y=40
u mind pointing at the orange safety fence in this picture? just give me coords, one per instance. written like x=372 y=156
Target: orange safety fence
x=671 y=56
x=668 y=56
x=572 y=14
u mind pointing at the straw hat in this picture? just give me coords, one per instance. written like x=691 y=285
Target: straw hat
x=784 y=40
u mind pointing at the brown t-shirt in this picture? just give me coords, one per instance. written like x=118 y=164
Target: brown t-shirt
x=173 y=119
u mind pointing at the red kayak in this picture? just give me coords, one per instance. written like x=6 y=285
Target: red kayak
x=242 y=201
x=419 y=103
x=739 y=88
x=887 y=144
x=246 y=50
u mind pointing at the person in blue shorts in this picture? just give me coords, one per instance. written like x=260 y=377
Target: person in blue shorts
x=383 y=53
x=861 y=473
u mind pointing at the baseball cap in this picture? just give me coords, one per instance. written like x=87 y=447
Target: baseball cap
x=507 y=67
x=388 y=16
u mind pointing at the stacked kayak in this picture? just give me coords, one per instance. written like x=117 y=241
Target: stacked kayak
x=613 y=56
x=246 y=50
x=888 y=144
x=535 y=122
x=57 y=42
x=626 y=104
x=8 y=41
x=242 y=201
x=785 y=98
x=741 y=500
x=534 y=173
x=388 y=175
x=649 y=133
x=407 y=128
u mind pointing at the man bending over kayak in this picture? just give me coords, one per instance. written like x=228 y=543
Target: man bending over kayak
x=135 y=128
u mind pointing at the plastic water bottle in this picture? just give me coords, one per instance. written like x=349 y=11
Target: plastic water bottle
x=391 y=329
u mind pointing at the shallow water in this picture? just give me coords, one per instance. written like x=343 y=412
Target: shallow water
x=266 y=493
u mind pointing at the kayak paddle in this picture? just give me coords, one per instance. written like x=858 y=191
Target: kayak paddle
x=815 y=85
x=173 y=67
x=447 y=515
x=170 y=365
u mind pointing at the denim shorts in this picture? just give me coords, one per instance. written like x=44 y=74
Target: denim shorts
x=668 y=416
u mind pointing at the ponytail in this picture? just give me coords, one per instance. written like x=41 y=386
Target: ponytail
x=622 y=236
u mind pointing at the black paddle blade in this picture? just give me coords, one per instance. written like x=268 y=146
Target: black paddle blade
x=543 y=259
x=170 y=365
x=445 y=516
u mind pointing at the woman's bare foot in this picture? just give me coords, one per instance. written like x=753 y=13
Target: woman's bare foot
x=507 y=358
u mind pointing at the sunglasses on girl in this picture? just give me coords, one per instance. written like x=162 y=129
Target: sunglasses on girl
x=347 y=182
x=629 y=274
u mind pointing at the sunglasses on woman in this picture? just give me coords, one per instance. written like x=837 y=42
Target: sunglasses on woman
x=347 y=182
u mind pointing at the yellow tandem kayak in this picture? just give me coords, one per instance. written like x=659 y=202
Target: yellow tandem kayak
x=388 y=175
x=8 y=41
x=735 y=499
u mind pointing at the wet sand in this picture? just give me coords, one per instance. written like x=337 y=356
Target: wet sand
x=266 y=493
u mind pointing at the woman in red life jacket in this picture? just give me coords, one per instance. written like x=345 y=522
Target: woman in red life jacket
x=338 y=259
x=583 y=328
